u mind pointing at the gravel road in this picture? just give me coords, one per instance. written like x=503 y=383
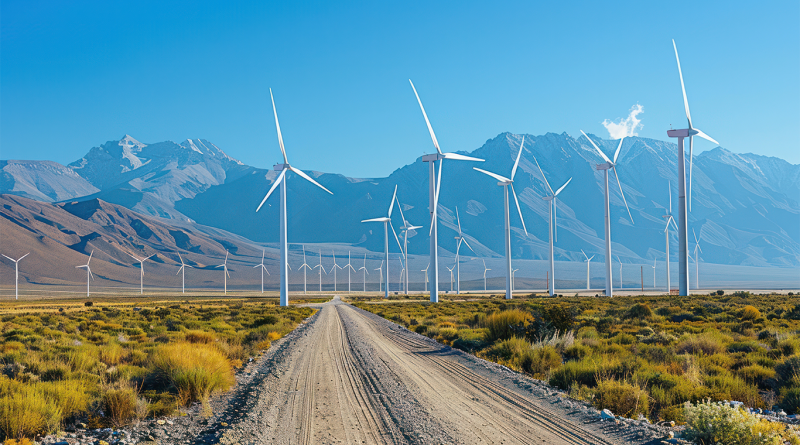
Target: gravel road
x=348 y=376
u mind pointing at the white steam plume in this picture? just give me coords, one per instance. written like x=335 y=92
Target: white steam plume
x=625 y=127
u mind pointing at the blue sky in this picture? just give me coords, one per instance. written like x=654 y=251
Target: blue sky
x=74 y=74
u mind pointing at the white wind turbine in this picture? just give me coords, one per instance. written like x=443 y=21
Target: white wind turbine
x=404 y=231
x=264 y=268
x=433 y=196
x=609 y=165
x=553 y=223
x=460 y=239
x=88 y=271
x=283 y=168
x=402 y=273
x=505 y=183
x=364 y=267
x=654 y=272
x=683 y=237
x=669 y=219
x=697 y=259
x=450 y=269
x=349 y=268
x=334 y=267
x=16 y=273
x=620 y=271
x=512 y=279
x=224 y=267
x=183 y=277
x=305 y=267
x=485 y=269
x=321 y=269
x=588 y=262
x=141 y=271
x=387 y=223
x=380 y=278
x=426 y=275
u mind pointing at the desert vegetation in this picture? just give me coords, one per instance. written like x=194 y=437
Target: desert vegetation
x=108 y=363
x=637 y=356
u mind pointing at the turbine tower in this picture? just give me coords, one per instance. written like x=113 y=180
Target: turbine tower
x=485 y=269
x=654 y=272
x=697 y=259
x=433 y=195
x=225 y=275
x=16 y=273
x=588 y=261
x=349 y=268
x=88 y=271
x=669 y=219
x=683 y=238
x=450 y=269
x=364 y=267
x=183 y=277
x=141 y=269
x=426 y=275
x=305 y=267
x=264 y=268
x=553 y=223
x=380 y=278
x=512 y=279
x=283 y=168
x=404 y=230
x=321 y=269
x=387 y=222
x=505 y=183
x=334 y=267
x=605 y=167
x=460 y=239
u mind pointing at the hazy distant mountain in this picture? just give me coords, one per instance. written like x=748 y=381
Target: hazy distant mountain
x=745 y=209
x=42 y=180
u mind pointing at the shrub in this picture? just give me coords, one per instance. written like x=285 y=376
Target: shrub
x=720 y=292
x=580 y=372
x=273 y=336
x=639 y=311
x=111 y=354
x=509 y=351
x=539 y=361
x=195 y=370
x=25 y=412
x=196 y=336
x=88 y=304
x=119 y=405
x=715 y=422
x=750 y=313
x=701 y=344
x=500 y=324
x=623 y=398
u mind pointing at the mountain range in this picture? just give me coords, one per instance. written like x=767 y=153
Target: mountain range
x=745 y=209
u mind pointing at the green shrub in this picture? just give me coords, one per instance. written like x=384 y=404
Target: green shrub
x=26 y=412
x=750 y=313
x=120 y=405
x=195 y=370
x=580 y=372
x=196 y=336
x=622 y=398
x=719 y=423
x=700 y=344
x=500 y=324
x=639 y=311
x=539 y=361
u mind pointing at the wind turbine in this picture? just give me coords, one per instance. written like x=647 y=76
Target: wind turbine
x=305 y=267
x=512 y=279
x=697 y=259
x=485 y=269
x=426 y=275
x=620 y=271
x=88 y=271
x=283 y=168
x=404 y=230
x=365 y=271
x=450 y=269
x=433 y=195
x=321 y=269
x=553 y=223
x=387 y=222
x=505 y=182
x=380 y=279
x=609 y=165
x=334 y=267
x=349 y=268
x=588 y=262
x=16 y=273
x=683 y=238
x=460 y=239
x=225 y=275
x=654 y=272
x=669 y=219
x=141 y=268
x=264 y=268
x=183 y=277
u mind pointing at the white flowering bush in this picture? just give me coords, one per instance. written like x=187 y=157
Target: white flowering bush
x=717 y=423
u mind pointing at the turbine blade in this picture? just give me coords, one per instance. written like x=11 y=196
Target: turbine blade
x=519 y=209
x=394 y=196
x=516 y=163
x=467 y=243
x=179 y=270
x=619 y=147
x=12 y=259
x=598 y=148
x=584 y=254
x=278 y=126
x=400 y=208
x=555 y=218
x=395 y=236
x=616 y=175
x=669 y=184
x=425 y=115
x=674 y=224
x=494 y=175
x=691 y=162
x=23 y=256
x=436 y=195
x=151 y=256
x=562 y=187
x=704 y=136
x=308 y=178
x=667 y=227
x=543 y=177
x=90 y=256
x=458 y=157
x=459 y=222
x=90 y=272
x=381 y=219
x=683 y=87
x=272 y=189
x=695 y=237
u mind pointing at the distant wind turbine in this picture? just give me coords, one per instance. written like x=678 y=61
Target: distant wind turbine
x=620 y=272
x=426 y=275
x=305 y=267
x=588 y=262
x=88 y=271
x=697 y=259
x=264 y=268
x=183 y=277
x=450 y=269
x=460 y=239
x=553 y=223
x=141 y=271
x=16 y=273
x=283 y=168
x=380 y=279
x=433 y=195
x=349 y=268
x=334 y=267
x=654 y=272
x=224 y=267
x=669 y=219
x=505 y=183
x=605 y=167
x=387 y=223
x=364 y=267
x=321 y=269
x=512 y=279
x=407 y=227
x=485 y=269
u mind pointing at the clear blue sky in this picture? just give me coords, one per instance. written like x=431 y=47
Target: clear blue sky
x=74 y=74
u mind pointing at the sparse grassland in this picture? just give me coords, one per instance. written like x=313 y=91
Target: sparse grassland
x=633 y=355
x=112 y=362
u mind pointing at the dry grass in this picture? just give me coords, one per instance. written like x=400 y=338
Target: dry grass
x=195 y=370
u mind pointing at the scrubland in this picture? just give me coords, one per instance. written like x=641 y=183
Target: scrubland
x=637 y=356
x=107 y=363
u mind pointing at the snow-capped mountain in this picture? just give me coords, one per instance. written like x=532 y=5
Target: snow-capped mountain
x=745 y=208
x=42 y=180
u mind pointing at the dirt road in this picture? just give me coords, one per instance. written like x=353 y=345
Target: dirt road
x=351 y=377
